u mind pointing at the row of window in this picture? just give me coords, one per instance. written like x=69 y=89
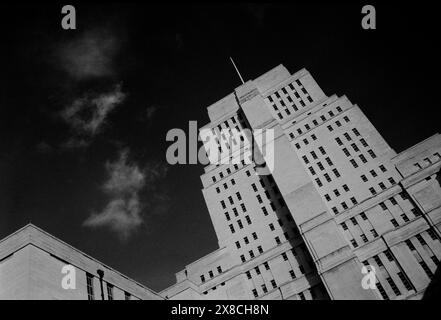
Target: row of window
x=428 y=161
x=382 y=274
x=246 y=240
x=90 y=289
x=315 y=123
x=313 y=136
x=287 y=104
x=228 y=171
x=361 y=232
x=211 y=274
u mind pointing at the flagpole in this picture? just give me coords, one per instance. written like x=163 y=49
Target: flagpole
x=237 y=70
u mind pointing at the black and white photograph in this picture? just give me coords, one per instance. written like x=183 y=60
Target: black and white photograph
x=218 y=157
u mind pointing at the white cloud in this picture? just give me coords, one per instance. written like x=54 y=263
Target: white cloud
x=122 y=214
x=87 y=114
x=124 y=178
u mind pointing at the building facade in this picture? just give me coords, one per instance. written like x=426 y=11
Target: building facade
x=338 y=204
x=32 y=267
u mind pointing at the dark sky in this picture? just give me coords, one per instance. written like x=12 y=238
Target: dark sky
x=84 y=113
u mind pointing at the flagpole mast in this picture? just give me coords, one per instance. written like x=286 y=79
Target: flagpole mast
x=237 y=70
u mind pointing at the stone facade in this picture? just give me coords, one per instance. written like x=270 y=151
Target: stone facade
x=31 y=263
x=339 y=198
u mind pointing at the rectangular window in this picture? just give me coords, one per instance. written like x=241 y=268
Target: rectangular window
x=405 y=218
x=354 y=243
x=337 y=174
x=90 y=294
x=273 y=283
x=320 y=165
x=259 y=198
x=364 y=238
x=109 y=292
x=292 y=274
x=372 y=154
x=319 y=183
x=405 y=281
x=127 y=296
x=393 y=286
x=354 y=163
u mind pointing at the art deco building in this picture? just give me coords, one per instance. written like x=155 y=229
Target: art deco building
x=339 y=198
x=31 y=268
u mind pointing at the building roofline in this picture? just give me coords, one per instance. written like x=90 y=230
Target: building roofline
x=30 y=240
